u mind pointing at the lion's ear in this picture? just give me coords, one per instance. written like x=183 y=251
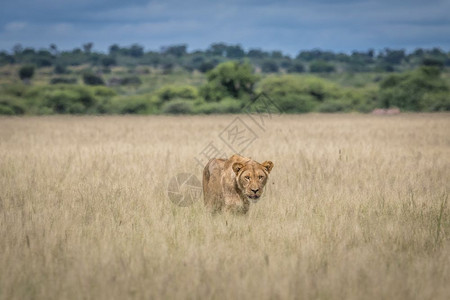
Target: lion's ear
x=268 y=165
x=237 y=167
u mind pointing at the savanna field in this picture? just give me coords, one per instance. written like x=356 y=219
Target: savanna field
x=356 y=207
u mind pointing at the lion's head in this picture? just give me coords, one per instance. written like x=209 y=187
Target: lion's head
x=251 y=177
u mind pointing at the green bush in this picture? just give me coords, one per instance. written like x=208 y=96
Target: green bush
x=11 y=106
x=127 y=80
x=177 y=106
x=63 y=80
x=301 y=103
x=170 y=92
x=231 y=105
x=26 y=72
x=320 y=66
x=333 y=106
x=269 y=66
x=103 y=91
x=213 y=92
x=206 y=66
x=131 y=80
x=60 y=69
x=438 y=101
x=225 y=106
x=108 y=61
x=90 y=78
x=68 y=99
x=296 y=67
x=16 y=90
x=433 y=62
x=136 y=104
x=299 y=93
x=421 y=90
x=362 y=100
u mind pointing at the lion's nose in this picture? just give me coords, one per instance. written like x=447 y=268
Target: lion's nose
x=254 y=191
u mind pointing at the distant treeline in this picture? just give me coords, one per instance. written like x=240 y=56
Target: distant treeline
x=170 y=57
x=228 y=88
x=221 y=79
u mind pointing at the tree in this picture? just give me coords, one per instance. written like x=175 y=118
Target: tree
x=276 y=54
x=60 y=69
x=421 y=90
x=53 y=49
x=108 y=61
x=69 y=99
x=170 y=92
x=229 y=79
x=433 y=62
x=167 y=66
x=419 y=52
x=6 y=58
x=393 y=57
x=362 y=57
x=217 y=49
x=176 y=107
x=17 y=49
x=299 y=94
x=320 y=66
x=26 y=72
x=87 y=48
x=43 y=58
x=136 y=50
x=269 y=66
x=296 y=67
x=114 y=49
x=90 y=78
x=206 y=66
x=257 y=53
x=235 y=51
x=176 y=50
x=316 y=54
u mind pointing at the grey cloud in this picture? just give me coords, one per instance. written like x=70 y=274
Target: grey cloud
x=287 y=25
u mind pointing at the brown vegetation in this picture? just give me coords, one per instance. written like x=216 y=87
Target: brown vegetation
x=356 y=208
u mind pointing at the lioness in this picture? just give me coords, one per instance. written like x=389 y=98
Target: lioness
x=230 y=184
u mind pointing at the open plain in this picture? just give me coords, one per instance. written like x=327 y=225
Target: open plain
x=356 y=207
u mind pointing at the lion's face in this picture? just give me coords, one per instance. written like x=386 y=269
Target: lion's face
x=251 y=178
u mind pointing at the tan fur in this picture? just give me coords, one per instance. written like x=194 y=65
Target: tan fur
x=230 y=185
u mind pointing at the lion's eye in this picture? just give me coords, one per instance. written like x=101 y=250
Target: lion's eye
x=261 y=177
x=247 y=177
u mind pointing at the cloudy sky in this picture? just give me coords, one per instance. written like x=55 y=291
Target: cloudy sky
x=341 y=25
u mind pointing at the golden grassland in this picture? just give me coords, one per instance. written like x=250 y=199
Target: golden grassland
x=356 y=208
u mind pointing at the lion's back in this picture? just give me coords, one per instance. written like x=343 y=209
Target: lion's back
x=211 y=181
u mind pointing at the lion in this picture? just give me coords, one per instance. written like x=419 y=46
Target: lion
x=230 y=184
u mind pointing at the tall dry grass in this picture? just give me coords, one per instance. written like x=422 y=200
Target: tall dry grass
x=356 y=208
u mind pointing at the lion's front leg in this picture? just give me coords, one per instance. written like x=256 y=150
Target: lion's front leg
x=236 y=205
x=214 y=202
